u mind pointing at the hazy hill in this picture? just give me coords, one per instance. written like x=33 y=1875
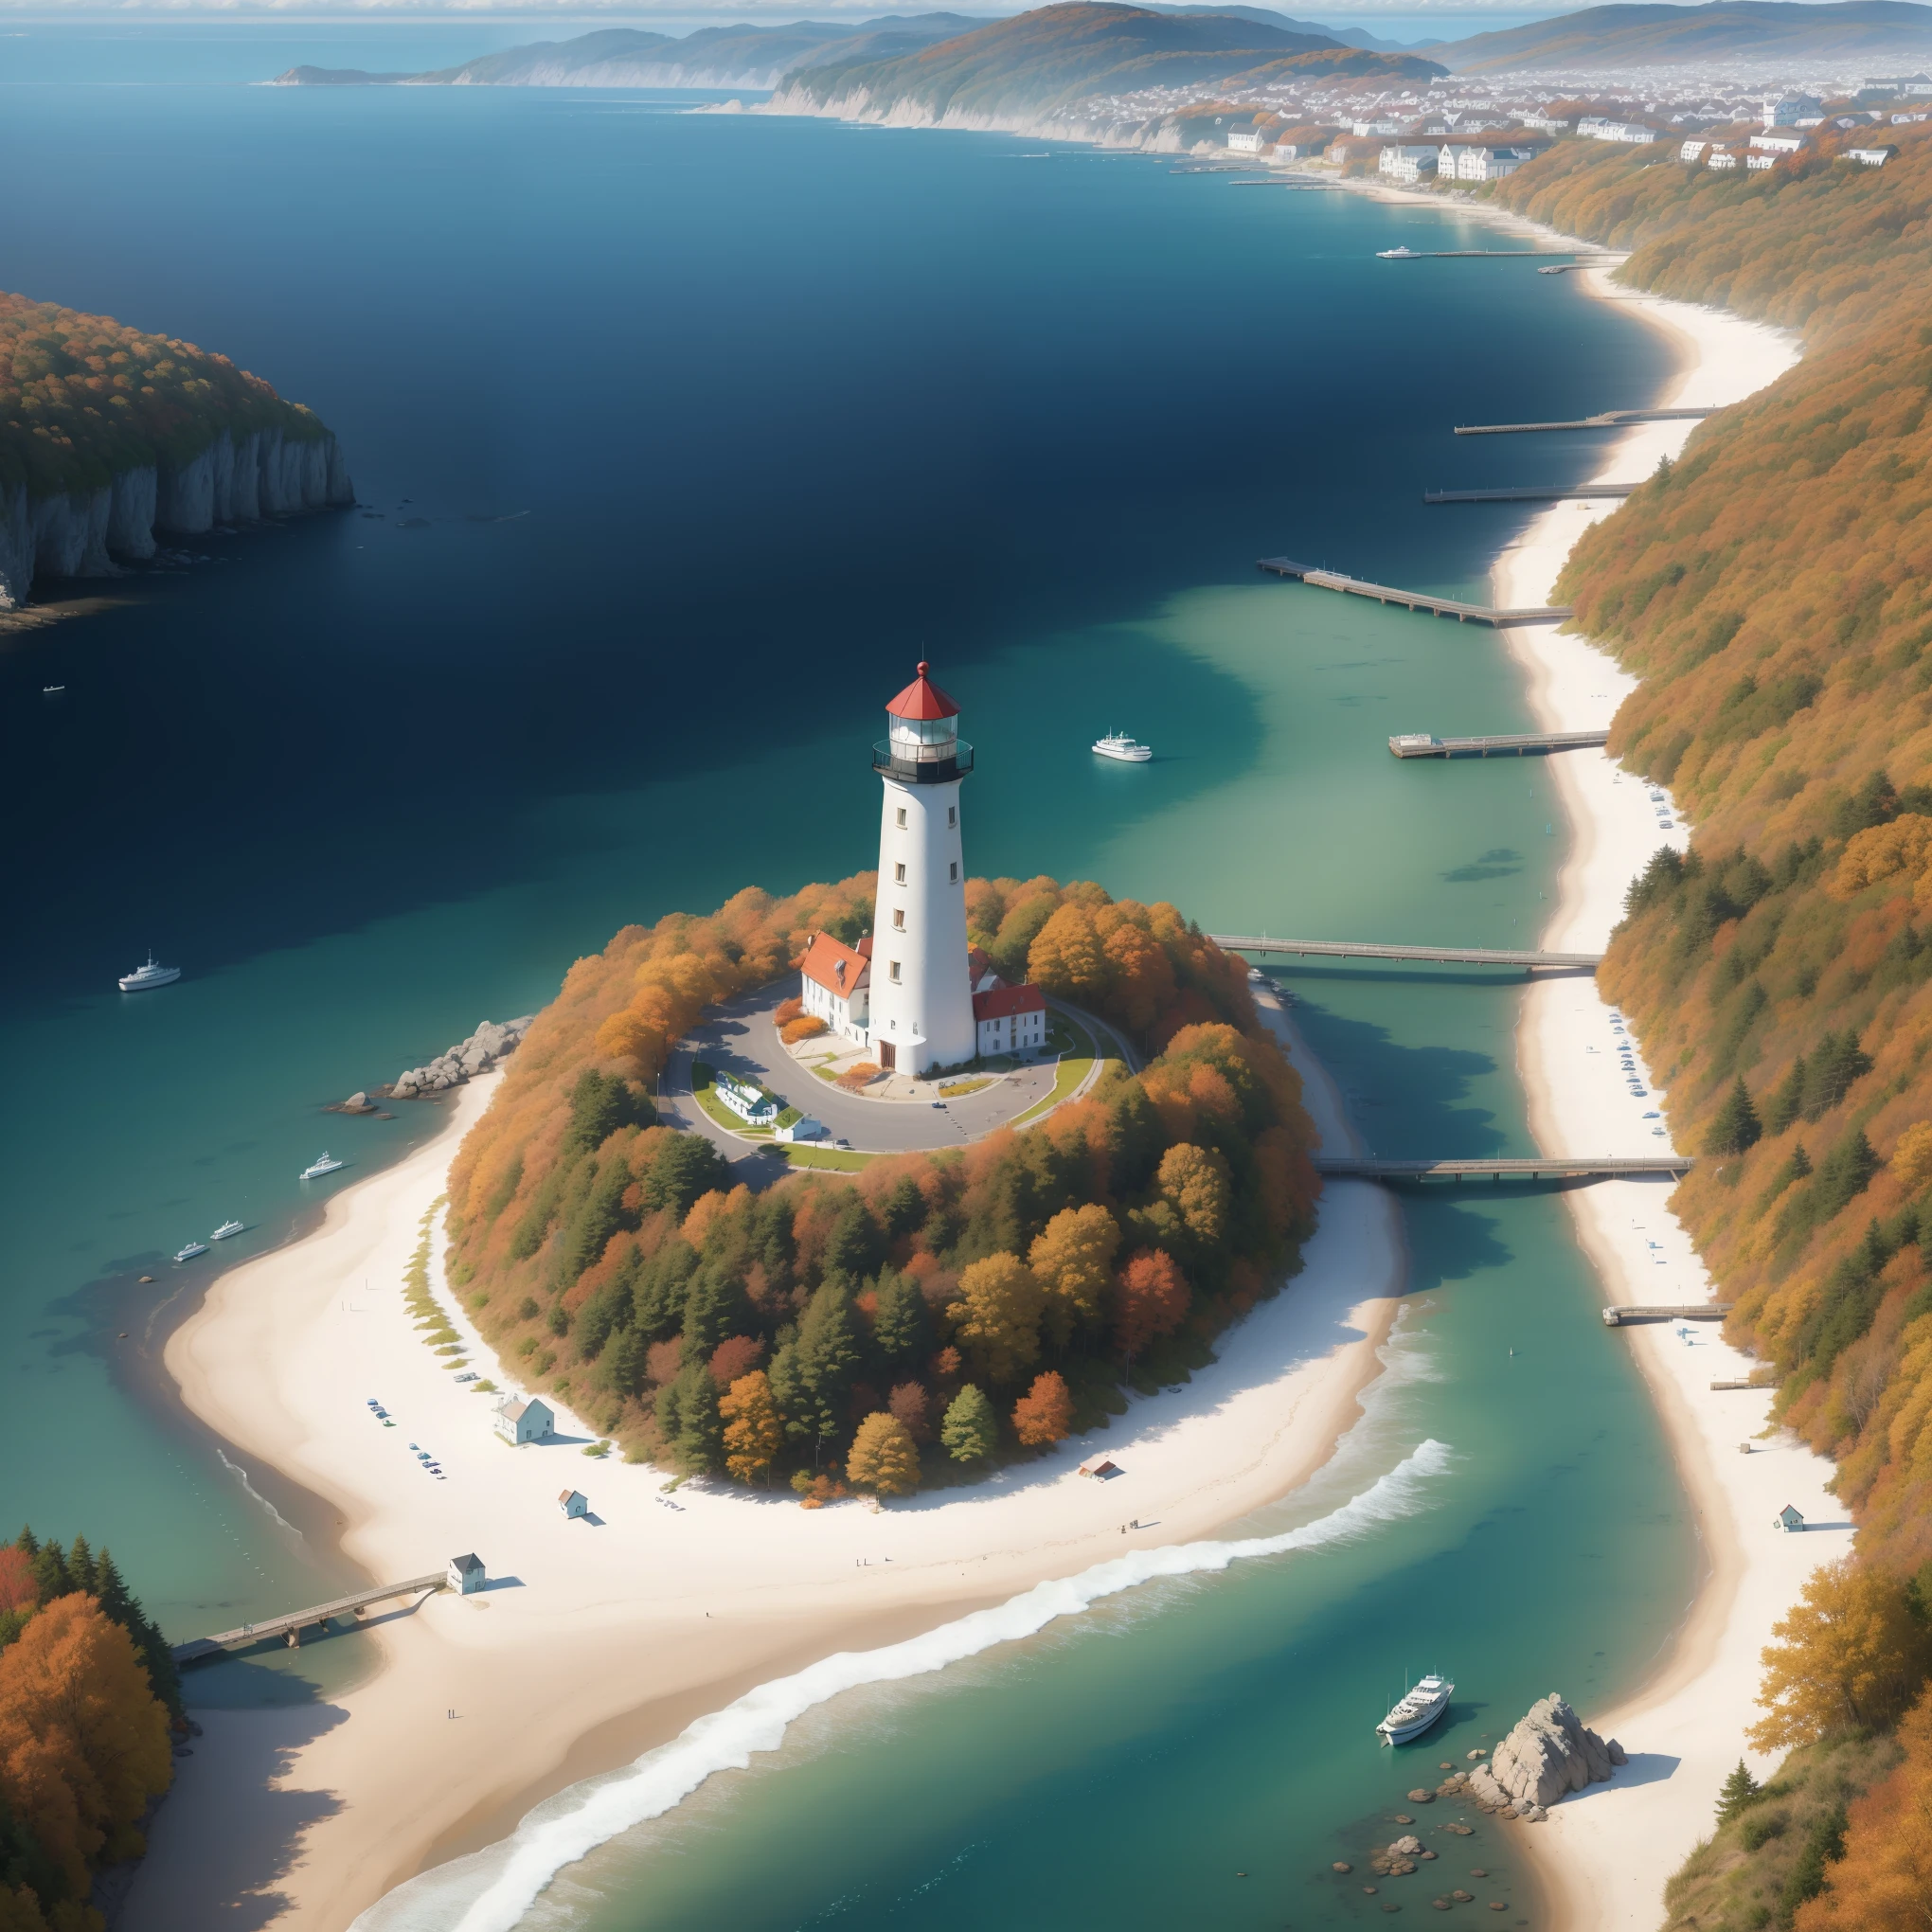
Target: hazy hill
x=1042 y=63
x=736 y=56
x=1348 y=36
x=1726 y=30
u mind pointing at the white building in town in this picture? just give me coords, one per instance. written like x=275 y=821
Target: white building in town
x=1870 y=157
x=919 y=998
x=751 y=1103
x=520 y=1420
x=1407 y=164
x=1481 y=164
x=1244 y=141
x=1011 y=1019
x=837 y=985
x=1778 y=141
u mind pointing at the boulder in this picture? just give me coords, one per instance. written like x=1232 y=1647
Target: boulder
x=1405 y=1847
x=1550 y=1754
x=356 y=1102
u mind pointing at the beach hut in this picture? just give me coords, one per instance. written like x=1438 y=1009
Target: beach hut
x=465 y=1574
x=521 y=1420
x=573 y=1502
x=1102 y=1465
x=1788 y=1519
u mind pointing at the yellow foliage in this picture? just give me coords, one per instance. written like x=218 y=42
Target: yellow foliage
x=753 y=1433
x=1911 y=1159
x=1881 y=851
x=1072 y=1259
x=1885 y=1878
x=806 y=1027
x=996 y=1319
x=1193 y=1181
x=884 y=1456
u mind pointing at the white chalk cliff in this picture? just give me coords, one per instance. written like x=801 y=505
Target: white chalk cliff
x=81 y=533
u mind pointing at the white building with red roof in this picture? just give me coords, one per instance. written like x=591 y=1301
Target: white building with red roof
x=1010 y=1019
x=835 y=983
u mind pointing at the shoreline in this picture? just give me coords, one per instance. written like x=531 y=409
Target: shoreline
x=600 y=1640
x=1611 y=1848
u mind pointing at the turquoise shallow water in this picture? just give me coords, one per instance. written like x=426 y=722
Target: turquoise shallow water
x=784 y=403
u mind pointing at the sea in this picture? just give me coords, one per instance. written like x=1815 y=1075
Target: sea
x=678 y=437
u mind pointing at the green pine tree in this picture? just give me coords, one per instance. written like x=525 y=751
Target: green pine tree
x=687 y=1420
x=1739 y=1791
x=971 y=1430
x=902 y=1327
x=1788 y=1099
x=1737 y=1129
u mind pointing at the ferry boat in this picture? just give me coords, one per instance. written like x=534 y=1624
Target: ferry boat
x=193 y=1249
x=315 y=1170
x=1418 y=1711
x=226 y=1228
x=1118 y=744
x=142 y=977
x=1395 y=254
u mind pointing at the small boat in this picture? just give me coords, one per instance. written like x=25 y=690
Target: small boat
x=1418 y=1711
x=193 y=1249
x=1118 y=744
x=1395 y=254
x=226 y=1228
x=317 y=1169
x=153 y=974
x=49 y=690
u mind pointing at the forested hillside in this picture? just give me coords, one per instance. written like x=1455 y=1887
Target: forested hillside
x=934 y=1314
x=1773 y=590
x=85 y=397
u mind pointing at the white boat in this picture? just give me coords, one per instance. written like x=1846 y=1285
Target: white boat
x=1418 y=1711
x=153 y=974
x=315 y=1170
x=1395 y=254
x=193 y=1249
x=1128 y=750
x=226 y=1228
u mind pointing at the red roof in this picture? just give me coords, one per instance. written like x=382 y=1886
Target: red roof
x=923 y=699
x=823 y=961
x=1003 y=1000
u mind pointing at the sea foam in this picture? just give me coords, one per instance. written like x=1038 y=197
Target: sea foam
x=492 y=1891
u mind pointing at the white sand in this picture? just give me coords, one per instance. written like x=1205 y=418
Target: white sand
x=1607 y=1852
x=603 y=1637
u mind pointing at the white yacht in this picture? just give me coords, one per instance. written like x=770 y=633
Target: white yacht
x=193 y=1249
x=226 y=1228
x=1395 y=254
x=315 y=1170
x=1418 y=1711
x=1128 y=750
x=153 y=974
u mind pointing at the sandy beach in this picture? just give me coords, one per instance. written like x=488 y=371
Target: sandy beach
x=600 y=1639
x=1606 y=1853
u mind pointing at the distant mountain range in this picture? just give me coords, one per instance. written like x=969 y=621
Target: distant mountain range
x=1772 y=30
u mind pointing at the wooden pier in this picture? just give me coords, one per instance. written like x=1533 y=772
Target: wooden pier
x=1437 y=956
x=1487 y=254
x=291 y=1627
x=1414 y=600
x=1747 y=1382
x=1618 y=1314
x=1541 y=1167
x=1423 y=745
x=1530 y=492
x=1606 y=418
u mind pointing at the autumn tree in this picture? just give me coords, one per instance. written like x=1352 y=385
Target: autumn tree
x=1911 y=1159
x=1072 y=1259
x=1044 y=1415
x=970 y=1430
x=1150 y=1300
x=884 y=1456
x=753 y=1433
x=912 y=1405
x=1884 y=1877
x=996 y=1319
x=1849 y=1655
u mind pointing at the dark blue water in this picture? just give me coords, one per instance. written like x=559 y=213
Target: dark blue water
x=717 y=421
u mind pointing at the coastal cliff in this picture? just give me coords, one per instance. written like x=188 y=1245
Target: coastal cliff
x=109 y=438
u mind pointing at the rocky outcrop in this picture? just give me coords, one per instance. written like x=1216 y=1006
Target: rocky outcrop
x=82 y=532
x=1551 y=1753
x=488 y=1045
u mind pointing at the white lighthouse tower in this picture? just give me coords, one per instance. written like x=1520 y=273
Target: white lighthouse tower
x=921 y=994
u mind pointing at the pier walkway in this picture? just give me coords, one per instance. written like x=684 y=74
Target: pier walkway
x=1425 y=745
x=292 y=1626
x=1530 y=492
x=1541 y=1167
x=1606 y=418
x=1414 y=600
x=1619 y=1312
x=1437 y=956
x=1590 y=255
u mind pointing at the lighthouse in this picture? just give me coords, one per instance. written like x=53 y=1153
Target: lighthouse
x=922 y=995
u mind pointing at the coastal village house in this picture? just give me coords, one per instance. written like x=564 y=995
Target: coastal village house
x=752 y=1104
x=465 y=1574
x=1724 y=159
x=1407 y=164
x=1788 y=1519
x=1244 y=141
x=1011 y=1019
x=1778 y=141
x=836 y=986
x=1870 y=157
x=1481 y=164
x=574 y=1503
x=520 y=1420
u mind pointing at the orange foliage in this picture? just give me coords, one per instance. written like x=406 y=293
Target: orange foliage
x=806 y=1027
x=1044 y=1415
x=1885 y=1878
x=1151 y=1300
x=17 y=1591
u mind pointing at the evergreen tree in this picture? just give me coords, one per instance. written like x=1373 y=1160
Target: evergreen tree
x=827 y=1356
x=906 y=1207
x=600 y=1216
x=902 y=1328
x=1736 y=1130
x=688 y=1166
x=855 y=1249
x=1789 y=1098
x=689 y=1421
x=1740 y=1789
x=625 y=1363
x=715 y=1306
x=598 y=1106
x=971 y=1430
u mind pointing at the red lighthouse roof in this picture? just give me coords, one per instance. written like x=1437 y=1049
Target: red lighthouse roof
x=923 y=699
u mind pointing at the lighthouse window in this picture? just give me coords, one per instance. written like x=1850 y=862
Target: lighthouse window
x=892 y=969
x=952 y=814
x=899 y=920
x=899 y=874
x=902 y=815
x=955 y=872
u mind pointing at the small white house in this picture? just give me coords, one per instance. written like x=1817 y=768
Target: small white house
x=1490 y=164
x=1244 y=141
x=1762 y=163
x=1407 y=164
x=1011 y=1019
x=1723 y=160
x=521 y=1420
x=1788 y=1519
x=752 y=1104
x=1692 y=152
x=1870 y=157
x=1786 y=109
x=803 y=1128
x=835 y=983
x=573 y=1503
x=1778 y=141
x=465 y=1574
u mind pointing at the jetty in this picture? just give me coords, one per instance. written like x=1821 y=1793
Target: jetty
x=1618 y=1314
x=1604 y=418
x=1530 y=492
x=1414 y=600
x=1539 y=1168
x=1434 y=956
x=1747 y=1382
x=290 y=1628
x=1425 y=745
x=1485 y=254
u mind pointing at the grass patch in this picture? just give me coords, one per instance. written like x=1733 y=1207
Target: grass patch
x=1077 y=1057
x=958 y=1089
x=841 y=1159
